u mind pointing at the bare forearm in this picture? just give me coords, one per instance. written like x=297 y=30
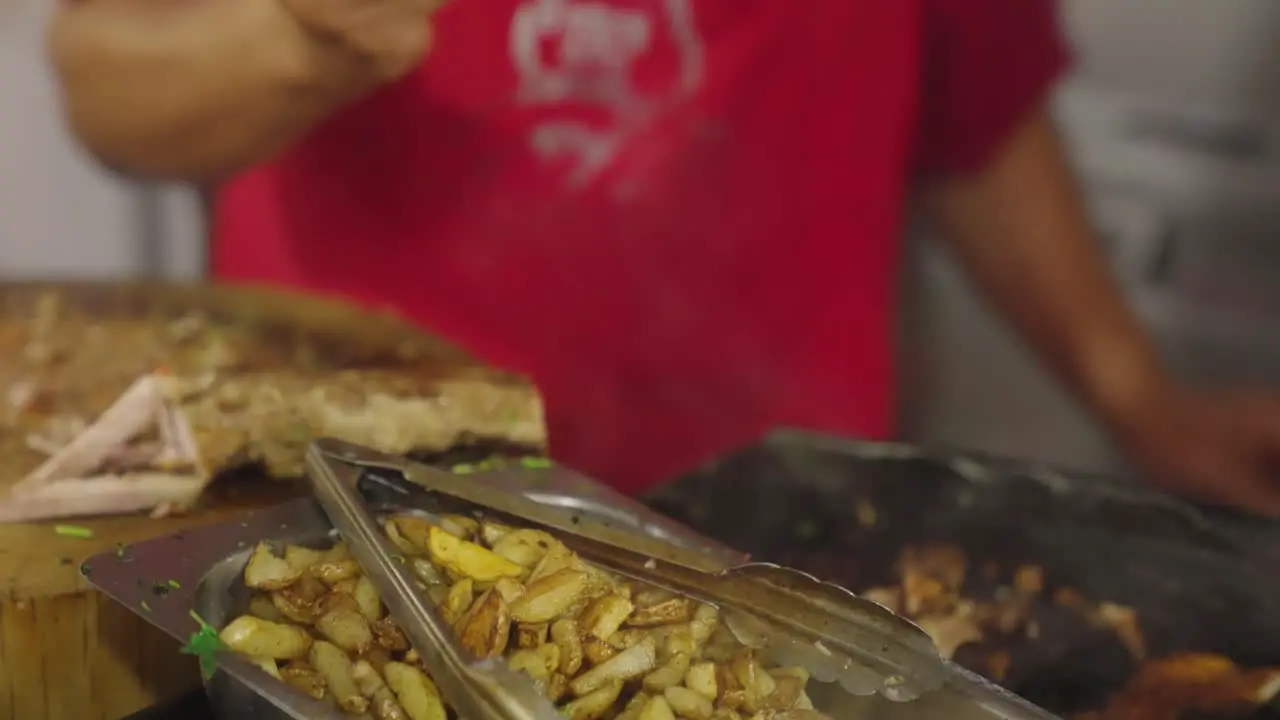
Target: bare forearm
x=1021 y=231
x=195 y=92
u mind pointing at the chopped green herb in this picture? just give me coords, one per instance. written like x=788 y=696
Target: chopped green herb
x=463 y=469
x=75 y=531
x=173 y=584
x=145 y=606
x=535 y=463
x=205 y=645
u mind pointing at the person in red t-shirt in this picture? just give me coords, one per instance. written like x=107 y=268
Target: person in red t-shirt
x=679 y=217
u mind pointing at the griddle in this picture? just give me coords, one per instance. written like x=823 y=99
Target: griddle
x=1201 y=579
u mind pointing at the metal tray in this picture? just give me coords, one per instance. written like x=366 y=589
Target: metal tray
x=164 y=579
x=1200 y=579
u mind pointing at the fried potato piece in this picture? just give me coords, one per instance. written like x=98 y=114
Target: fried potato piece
x=510 y=590
x=531 y=635
x=594 y=705
x=549 y=597
x=605 y=615
x=631 y=663
x=656 y=708
x=400 y=542
x=631 y=711
x=381 y=700
x=262 y=638
x=428 y=573
x=724 y=713
x=334 y=601
x=377 y=657
x=302 y=558
x=347 y=586
x=388 y=635
x=671 y=673
x=687 y=703
x=525 y=548
x=338 y=552
x=756 y=682
x=486 y=627
x=557 y=687
x=674 y=609
x=267 y=665
x=701 y=679
x=340 y=622
x=268 y=571
x=624 y=639
x=367 y=598
x=461 y=596
x=467 y=559
x=335 y=667
x=415 y=691
x=491 y=533
x=541 y=664
x=557 y=558
x=416 y=531
x=531 y=664
x=564 y=633
x=305 y=679
x=297 y=601
x=786 y=694
x=261 y=606
x=460 y=526
x=332 y=573
x=597 y=651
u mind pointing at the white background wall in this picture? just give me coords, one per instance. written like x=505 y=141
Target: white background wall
x=59 y=214
x=1212 y=53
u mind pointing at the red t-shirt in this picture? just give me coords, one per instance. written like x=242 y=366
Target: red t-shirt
x=679 y=217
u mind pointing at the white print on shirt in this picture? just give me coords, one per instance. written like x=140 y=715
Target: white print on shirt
x=597 y=46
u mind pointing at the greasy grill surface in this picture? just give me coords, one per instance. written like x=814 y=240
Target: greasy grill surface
x=1199 y=581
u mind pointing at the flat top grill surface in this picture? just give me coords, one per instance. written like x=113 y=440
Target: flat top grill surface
x=1199 y=580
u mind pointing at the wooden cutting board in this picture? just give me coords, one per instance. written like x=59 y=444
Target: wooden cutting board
x=66 y=651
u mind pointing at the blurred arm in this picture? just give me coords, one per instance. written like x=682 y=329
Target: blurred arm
x=1020 y=230
x=193 y=89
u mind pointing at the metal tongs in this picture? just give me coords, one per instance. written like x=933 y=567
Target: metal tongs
x=479 y=689
x=796 y=618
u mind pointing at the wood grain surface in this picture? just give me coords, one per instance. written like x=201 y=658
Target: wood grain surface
x=67 y=652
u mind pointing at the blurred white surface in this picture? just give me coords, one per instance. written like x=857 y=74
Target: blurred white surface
x=1213 y=53
x=60 y=214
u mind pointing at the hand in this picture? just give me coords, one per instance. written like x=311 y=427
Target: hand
x=392 y=35
x=1221 y=448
